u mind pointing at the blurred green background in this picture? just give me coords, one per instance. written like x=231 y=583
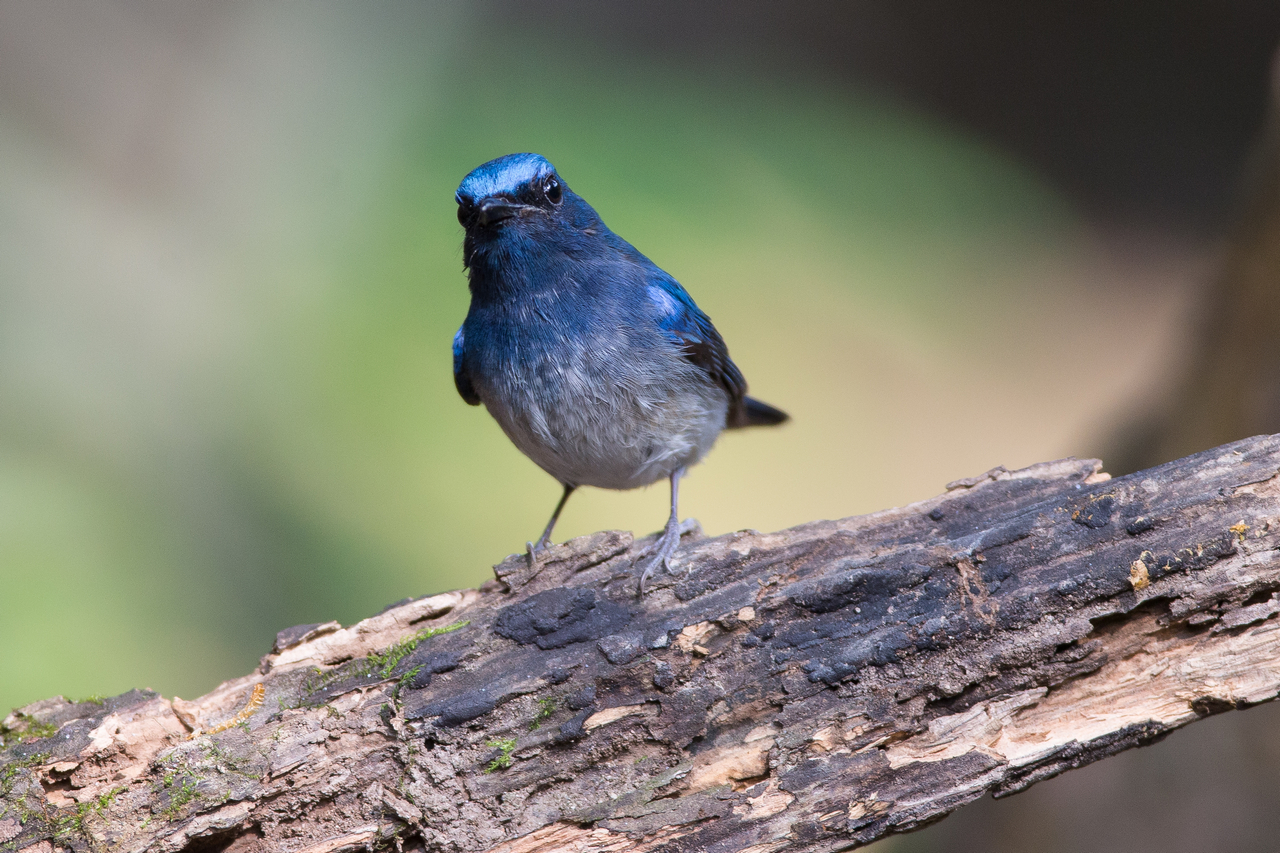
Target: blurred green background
x=230 y=272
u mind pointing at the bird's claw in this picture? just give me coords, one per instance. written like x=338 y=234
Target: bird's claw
x=534 y=550
x=661 y=552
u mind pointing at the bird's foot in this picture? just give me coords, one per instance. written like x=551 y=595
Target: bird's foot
x=534 y=550
x=661 y=551
x=691 y=526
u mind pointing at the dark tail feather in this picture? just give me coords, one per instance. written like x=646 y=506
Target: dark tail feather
x=752 y=412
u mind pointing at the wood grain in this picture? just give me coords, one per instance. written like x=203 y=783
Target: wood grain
x=811 y=689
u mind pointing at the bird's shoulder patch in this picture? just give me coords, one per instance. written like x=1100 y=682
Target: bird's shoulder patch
x=663 y=301
x=690 y=329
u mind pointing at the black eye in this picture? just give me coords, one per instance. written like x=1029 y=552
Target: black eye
x=552 y=190
x=466 y=210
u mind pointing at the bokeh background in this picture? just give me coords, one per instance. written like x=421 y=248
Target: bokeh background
x=945 y=236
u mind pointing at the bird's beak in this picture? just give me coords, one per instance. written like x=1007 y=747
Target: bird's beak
x=497 y=209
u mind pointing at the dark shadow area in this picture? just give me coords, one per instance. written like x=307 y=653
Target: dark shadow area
x=1139 y=110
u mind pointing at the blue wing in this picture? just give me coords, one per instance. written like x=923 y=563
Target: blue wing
x=460 y=378
x=687 y=327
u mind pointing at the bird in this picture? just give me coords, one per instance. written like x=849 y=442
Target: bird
x=596 y=363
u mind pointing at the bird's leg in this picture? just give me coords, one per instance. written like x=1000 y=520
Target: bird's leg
x=660 y=551
x=545 y=539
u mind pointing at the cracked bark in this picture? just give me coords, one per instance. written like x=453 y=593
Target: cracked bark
x=811 y=689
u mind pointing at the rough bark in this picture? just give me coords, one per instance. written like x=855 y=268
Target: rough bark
x=812 y=689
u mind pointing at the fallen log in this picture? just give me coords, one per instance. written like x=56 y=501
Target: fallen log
x=811 y=689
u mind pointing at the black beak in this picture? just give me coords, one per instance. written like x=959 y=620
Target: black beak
x=497 y=209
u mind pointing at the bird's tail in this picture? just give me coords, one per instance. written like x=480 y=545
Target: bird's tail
x=752 y=412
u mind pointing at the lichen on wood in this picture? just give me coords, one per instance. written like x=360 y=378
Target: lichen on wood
x=811 y=689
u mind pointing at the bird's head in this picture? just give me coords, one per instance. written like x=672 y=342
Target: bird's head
x=519 y=194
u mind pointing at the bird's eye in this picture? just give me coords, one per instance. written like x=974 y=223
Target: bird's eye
x=552 y=190
x=466 y=211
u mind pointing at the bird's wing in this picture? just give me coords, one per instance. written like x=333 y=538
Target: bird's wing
x=685 y=324
x=460 y=378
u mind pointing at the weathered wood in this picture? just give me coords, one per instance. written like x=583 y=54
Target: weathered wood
x=812 y=689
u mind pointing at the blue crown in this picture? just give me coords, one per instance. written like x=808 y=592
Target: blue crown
x=504 y=175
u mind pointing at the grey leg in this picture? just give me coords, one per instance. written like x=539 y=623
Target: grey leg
x=662 y=550
x=545 y=539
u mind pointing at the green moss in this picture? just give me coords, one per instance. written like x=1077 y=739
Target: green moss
x=9 y=774
x=505 y=746
x=385 y=662
x=180 y=778
x=404 y=679
x=224 y=760
x=380 y=664
x=25 y=727
x=63 y=823
x=26 y=814
x=71 y=822
x=546 y=707
x=181 y=796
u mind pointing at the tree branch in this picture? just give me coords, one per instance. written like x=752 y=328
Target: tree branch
x=812 y=689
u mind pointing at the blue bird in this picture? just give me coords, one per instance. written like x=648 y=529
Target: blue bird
x=597 y=365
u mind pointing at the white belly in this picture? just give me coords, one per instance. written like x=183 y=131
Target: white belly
x=590 y=430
